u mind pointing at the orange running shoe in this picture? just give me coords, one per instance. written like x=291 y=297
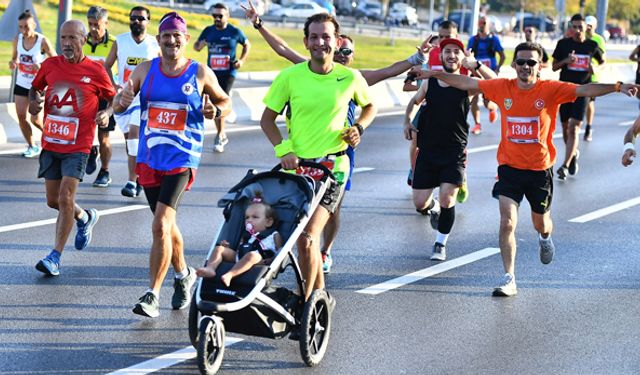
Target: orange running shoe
x=476 y=129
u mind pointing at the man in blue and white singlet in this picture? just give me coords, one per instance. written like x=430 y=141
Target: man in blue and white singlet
x=176 y=94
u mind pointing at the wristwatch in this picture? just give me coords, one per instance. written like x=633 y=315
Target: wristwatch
x=478 y=64
x=359 y=128
x=258 y=24
x=218 y=112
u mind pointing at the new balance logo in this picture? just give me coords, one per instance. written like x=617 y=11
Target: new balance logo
x=85 y=79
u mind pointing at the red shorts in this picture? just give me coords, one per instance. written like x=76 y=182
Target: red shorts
x=150 y=178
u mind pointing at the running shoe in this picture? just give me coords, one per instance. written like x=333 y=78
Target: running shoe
x=439 y=252
x=410 y=177
x=182 y=290
x=476 y=129
x=103 y=179
x=493 y=116
x=588 y=134
x=573 y=164
x=547 y=250
x=327 y=262
x=434 y=214
x=148 y=306
x=50 y=265
x=221 y=141
x=507 y=286
x=31 y=152
x=92 y=162
x=83 y=235
x=129 y=190
x=463 y=193
x=563 y=172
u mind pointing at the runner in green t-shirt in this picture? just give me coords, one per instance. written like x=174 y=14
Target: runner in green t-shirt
x=592 y=23
x=316 y=96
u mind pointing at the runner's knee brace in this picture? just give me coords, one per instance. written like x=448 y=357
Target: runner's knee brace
x=132 y=147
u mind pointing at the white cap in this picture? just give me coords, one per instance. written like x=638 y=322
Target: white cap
x=591 y=21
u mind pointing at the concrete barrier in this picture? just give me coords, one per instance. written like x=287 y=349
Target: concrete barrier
x=248 y=107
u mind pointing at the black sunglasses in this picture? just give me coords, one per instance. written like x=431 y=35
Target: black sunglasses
x=137 y=18
x=345 y=51
x=217 y=16
x=530 y=62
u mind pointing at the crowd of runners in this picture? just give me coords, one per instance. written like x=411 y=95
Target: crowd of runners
x=159 y=98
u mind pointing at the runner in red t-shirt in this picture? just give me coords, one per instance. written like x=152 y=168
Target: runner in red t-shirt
x=74 y=84
x=526 y=153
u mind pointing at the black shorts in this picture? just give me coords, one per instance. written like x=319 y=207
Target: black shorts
x=430 y=171
x=55 y=165
x=103 y=104
x=170 y=190
x=537 y=186
x=574 y=110
x=225 y=81
x=593 y=99
x=20 y=91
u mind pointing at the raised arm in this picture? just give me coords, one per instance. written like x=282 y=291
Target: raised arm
x=275 y=42
x=419 y=57
x=629 y=150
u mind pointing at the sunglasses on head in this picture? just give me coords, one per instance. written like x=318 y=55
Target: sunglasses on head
x=530 y=62
x=345 y=51
x=217 y=16
x=137 y=18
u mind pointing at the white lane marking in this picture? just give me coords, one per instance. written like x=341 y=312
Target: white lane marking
x=39 y=223
x=392 y=113
x=626 y=123
x=167 y=360
x=430 y=271
x=606 y=211
x=362 y=169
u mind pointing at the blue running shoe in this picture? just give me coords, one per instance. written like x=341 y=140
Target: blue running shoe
x=327 y=262
x=50 y=265
x=83 y=235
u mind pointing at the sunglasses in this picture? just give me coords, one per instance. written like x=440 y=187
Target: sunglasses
x=137 y=18
x=345 y=51
x=530 y=62
x=217 y=16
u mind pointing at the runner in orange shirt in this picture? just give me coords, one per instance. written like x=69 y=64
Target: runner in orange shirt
x=526 y=153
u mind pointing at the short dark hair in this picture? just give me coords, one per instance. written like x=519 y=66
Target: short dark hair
x=25 y=15
x=448 y=25
x=141 y=9
x=577 y=17
x=347 y=37
x=528 y=46
x=97 y=12
x=321 y=18
x=221 y=6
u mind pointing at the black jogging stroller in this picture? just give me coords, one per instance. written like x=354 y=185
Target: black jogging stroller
x=254 y=304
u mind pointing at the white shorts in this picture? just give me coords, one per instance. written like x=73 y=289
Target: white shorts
x=129 y=117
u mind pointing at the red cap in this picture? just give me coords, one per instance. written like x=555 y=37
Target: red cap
x=455 y=41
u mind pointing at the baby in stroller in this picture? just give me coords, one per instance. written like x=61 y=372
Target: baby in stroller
x=259 y=243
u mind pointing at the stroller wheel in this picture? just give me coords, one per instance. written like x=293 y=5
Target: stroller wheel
x=194 y=317
x=210 y=345
x=315 y=328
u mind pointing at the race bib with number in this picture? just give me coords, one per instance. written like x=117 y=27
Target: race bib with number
x=60 y=129
x=167 y=117
x=220 y=62
x=28 y=69
x=316 y=173
x=581 y=64
x=523 y=129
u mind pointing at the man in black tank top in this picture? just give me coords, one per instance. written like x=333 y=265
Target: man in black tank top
x=442 y=135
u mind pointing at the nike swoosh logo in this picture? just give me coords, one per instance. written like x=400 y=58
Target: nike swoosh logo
x=341 y=78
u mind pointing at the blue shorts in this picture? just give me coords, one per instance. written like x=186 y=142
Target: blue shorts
x=351 y=153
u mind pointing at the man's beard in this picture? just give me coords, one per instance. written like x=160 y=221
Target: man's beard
x=136 y=30
x=447 y=69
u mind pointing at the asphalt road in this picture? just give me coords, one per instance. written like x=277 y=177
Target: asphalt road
x=578 y=315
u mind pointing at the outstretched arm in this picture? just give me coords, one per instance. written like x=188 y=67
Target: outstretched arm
x=598 y=89
x=629 y=150
x=456 y=80
x=374 y=76
x=275 y=42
